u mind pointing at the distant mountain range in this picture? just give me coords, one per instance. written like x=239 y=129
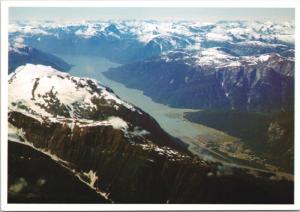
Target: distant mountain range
x=129 y=41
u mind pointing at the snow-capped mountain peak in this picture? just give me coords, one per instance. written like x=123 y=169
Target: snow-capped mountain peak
x=46 y=92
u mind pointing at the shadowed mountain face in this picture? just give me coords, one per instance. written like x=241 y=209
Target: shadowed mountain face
x=22 y=55
x=35 y=178
x=116 y=148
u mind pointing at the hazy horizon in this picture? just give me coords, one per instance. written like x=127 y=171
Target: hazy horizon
x=127 y=13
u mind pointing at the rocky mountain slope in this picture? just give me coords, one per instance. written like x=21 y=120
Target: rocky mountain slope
x=213 y=79
x=34 y=177
x=119 y=150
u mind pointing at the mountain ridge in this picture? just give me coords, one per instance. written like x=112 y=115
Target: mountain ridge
x=258 y=83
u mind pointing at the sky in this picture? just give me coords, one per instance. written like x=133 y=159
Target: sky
x=71 y=14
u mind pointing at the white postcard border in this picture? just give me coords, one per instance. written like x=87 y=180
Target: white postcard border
x=166 y=4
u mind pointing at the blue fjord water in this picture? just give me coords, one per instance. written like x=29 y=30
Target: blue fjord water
x=170 y=119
